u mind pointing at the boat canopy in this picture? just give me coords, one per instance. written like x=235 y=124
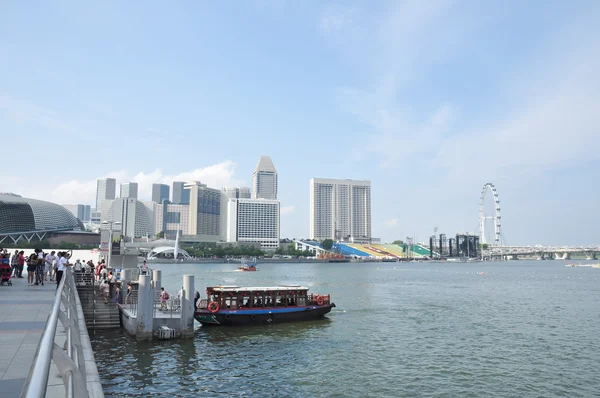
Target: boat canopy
x=255 y=289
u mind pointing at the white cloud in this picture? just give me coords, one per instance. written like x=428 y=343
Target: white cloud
x=84 y=192
x=287 y=210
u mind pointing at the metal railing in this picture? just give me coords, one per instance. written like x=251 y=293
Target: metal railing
x=68 y=359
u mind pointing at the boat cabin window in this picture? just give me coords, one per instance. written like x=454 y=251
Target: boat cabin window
x=231 y=302
x=257 y=300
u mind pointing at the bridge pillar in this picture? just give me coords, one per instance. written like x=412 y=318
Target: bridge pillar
x=549 y=256
x=566 y=256
x=513 y=257
x=558 y=256
x=540 y=256
x=590 y=255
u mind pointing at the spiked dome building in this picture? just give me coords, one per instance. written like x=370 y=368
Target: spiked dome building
x=23 y=218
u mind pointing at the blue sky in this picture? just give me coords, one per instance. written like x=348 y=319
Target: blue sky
x=428 y=100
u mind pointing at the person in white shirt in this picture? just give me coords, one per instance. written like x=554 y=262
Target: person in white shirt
x=48 y=266
x=61 y=266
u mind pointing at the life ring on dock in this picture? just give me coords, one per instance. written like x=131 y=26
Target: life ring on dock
x=320 y=300
x=213 y=306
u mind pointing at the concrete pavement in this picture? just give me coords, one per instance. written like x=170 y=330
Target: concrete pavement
x=23 y=314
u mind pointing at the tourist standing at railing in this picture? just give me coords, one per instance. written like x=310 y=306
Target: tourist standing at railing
x=117 y=294
x=62 y=265
x=129 y=291
x=144 y=268
x=164 y=296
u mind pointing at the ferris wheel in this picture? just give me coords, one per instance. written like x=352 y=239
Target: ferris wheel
x=496 y=217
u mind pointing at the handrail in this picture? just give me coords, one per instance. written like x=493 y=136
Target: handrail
x=69 y=360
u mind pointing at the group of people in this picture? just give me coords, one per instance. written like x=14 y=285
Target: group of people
x=41 y=267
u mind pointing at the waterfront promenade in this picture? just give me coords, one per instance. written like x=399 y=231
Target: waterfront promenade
x=23 y=316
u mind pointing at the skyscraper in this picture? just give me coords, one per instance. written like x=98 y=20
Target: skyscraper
x=205 y=210
x=264 y=179
x=237 y=193
x=340 y=209
x=181 y=196
x=105 y=190
x=160 y=193
x=129 y=190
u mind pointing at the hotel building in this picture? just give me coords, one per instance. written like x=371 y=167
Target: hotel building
x=340 y=209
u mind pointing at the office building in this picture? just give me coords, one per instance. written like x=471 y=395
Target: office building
x=237 y=193
x=160 y=193
x=82 y=212
x=105 y=190
x=171 y=218
x=129 y=190
x=136 y=217
x=264 y=179
x=181 y=196
x=204 y=210
x=253 y=220
x=340 y=209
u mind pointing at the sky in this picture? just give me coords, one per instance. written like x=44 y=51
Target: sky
x=429 y=100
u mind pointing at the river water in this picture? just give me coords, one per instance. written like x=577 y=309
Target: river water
x=510 y=329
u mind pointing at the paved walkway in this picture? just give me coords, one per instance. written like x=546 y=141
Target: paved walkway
x=23 y=314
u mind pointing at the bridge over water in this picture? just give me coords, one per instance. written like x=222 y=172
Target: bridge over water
x=542 y=252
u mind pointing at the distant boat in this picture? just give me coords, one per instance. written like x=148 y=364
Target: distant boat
x=248 y=265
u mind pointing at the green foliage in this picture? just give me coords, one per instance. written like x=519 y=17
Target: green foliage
x=484 y=246
x=290 y=250
x=327 y=244
x=212 y=249
x=398 y=242
x=160 y=234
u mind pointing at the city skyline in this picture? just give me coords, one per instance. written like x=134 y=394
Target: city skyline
x=427 y=100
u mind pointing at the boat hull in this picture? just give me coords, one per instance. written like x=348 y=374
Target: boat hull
x=265 y=316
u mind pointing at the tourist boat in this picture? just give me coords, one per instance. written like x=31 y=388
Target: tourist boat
x=236 y=306
x=248 y=266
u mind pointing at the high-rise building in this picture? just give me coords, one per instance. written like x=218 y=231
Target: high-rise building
x=82 y=212
x=129 y=190
x=105 y=190
x=181 y=196
x=253 y=220
x=136 y=217
x=264 y=179
x=171 y=218
x=160 y=193
x=340 y=209
x=205 y=210
x=237 y=193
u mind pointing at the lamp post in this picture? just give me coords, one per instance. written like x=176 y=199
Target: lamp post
x=110 y=236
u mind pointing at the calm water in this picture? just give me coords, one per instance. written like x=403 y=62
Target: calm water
x=524 y=328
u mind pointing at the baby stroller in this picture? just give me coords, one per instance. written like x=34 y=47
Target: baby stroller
x=5 y=270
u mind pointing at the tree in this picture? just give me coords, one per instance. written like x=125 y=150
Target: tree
x=160 y=234
x=398 y=242
x=327 y=244
x=484 y=246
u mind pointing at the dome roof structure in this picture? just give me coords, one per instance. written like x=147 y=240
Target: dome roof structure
x=22 y=215
x=167 y=252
